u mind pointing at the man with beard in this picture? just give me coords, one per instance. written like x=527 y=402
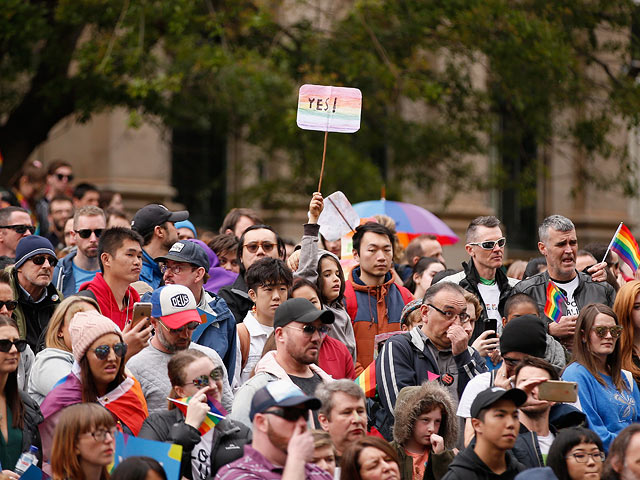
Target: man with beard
x=156 y=225
x=559 y=245
x=60 y=209
x=174 y=316
x=298 y=328
x=282 y=447
x=82 y=265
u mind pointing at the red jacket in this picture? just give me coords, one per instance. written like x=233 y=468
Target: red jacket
x=335 y=359
x=108 y=305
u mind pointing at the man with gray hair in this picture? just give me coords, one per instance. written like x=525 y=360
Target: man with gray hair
x=484 y=277
x=343 y=413
x=559 y=245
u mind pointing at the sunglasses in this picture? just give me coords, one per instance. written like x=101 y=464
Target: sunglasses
x=289 y=414
x=266 y=246
x=5 y=345
x=490 y=244
x=86 y=232
x=39 y=260
x=203 y=380
x=602 y=331
x=102 y=351
x=189 y=326
x=512 y=362
x=62 y=176
x=10 y=304
x=310 y=329
x=20 y=229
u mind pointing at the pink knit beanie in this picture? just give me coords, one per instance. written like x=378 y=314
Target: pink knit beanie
x=86 y=327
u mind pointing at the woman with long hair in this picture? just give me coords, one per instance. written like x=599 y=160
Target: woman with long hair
x=54 y=362
x=19 y=414
x=369 y=458
x=83 y=443
x=97 y=375
x=576 y=454
x=422 y=276
x=193 y=375
x=627 y=307
x=607 y=395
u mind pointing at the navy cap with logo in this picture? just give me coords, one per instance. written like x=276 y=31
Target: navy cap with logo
x=150 y=216
x=488 y=397
x=189 y=252
x=281 y=393
x=300 y=310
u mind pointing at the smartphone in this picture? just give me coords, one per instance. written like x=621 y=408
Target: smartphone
x=140 y=310
x=558 y=391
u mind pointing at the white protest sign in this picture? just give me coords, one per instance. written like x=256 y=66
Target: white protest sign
x=329 y=109
x=338 y=217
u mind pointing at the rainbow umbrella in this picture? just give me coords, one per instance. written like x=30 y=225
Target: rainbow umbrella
x=411 y=220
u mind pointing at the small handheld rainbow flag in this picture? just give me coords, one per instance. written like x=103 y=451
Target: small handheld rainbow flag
x=625 y=245
x=367 y=380
x=552 y=305
x=213 y=417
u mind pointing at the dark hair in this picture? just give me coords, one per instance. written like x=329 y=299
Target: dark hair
x=419 y=268
x=518 y=299
x=535 y=362
x=488 y=221
x=414 y=249
x=350 y=463
x=282 y=251
x=443 y=274
x=113 y=238
x=582 y=350
x=618 y=450
x=105 y=198
x=230 y=220
x=11 y=391
x=61 y=198
x=82 y=188
x=176 y=367
x=372 y=227
x=56 y=164
x=5 y=277
x=268 y=271
x=114 y=212
x=299 y=282
x=5 y=214
x=533 y=267
x=320 y=281
x=433 y=290
x=136 y=468
x=564 y=442
x=224 y=243
x=32 y=170
x=5 y=262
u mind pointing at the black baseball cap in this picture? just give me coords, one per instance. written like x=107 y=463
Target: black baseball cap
x=300 y=310
x=488 y=397
x=150 y=216
x=281 y=393
x=189 y=252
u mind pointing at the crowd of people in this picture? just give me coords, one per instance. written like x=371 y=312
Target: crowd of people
x=253 y=354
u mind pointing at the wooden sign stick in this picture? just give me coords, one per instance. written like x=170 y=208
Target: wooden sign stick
x=324 y=153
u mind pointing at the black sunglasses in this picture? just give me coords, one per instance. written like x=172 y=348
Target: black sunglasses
x=62 y=176
x=10 y=304
x=310 y=329
x=20 y=229
x=39 y=260
x=5 y=345
x=102 y=352
x=86 y=232
x=289 y=414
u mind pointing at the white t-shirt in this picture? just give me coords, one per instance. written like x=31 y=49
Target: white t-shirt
x=569 y=288
x=200 y=461
x=545 y=443
x=258 y=335
x=491 y=297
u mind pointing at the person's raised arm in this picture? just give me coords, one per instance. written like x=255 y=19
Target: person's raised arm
x=308 y=260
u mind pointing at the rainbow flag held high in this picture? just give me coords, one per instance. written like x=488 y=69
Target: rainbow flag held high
x=625 y=245
x=552 y=305
x=216 y=413
x=367 y=380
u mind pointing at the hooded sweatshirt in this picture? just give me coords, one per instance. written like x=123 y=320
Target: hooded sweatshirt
x=107 y=302
x=468 y=466
x=51 y=366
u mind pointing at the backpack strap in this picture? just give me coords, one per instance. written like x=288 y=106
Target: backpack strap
x=351 y=304
x=245 y=342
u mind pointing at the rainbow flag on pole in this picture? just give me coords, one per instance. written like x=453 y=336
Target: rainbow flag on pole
x=625 y=245
x=367 y=380
x=552 y=305
x=213 y=417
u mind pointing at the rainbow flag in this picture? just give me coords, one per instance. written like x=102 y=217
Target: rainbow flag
x=216 y=414
x=552 y=305
x=367 y=380
x=625 y=245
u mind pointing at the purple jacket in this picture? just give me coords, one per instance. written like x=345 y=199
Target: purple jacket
x=218 y=276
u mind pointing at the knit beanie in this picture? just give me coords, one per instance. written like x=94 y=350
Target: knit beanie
x=30 y=246
x=86 y=327
x=526 y=334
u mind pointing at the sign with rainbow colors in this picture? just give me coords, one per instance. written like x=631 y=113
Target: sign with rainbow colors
x=329 y=109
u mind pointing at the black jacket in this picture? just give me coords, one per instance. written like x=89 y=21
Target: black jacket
x=32 y=418
x=237 y=298
x=527 y=449
x=229 y=438
x=587 y=292
x=468 y=466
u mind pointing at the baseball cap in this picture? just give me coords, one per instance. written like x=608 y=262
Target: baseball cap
x=280 y=393
x=148 y=217
x=188 y=252
x=488 y=397
x=175 y=305
x=300 y=310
